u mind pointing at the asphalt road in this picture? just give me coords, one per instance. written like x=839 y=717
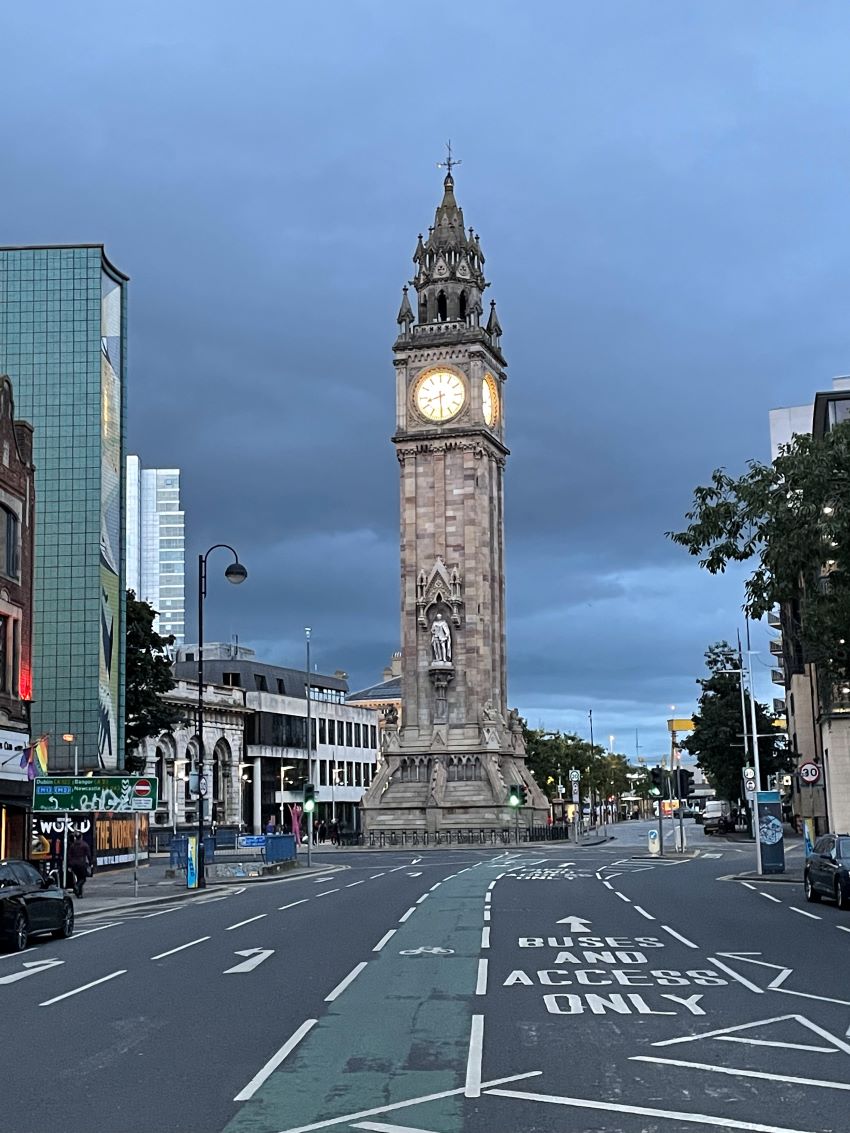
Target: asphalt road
x=555 y=989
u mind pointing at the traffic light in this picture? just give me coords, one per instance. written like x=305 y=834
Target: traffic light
x=517 y=796
x=684 y=783
x=656 y=777
x=309 y=798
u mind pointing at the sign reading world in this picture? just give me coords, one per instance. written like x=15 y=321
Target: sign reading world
x=121 y=793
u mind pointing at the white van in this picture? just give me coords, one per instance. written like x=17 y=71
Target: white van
x=717 y=817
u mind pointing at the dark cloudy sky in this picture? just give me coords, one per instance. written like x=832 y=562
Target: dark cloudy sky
x=663 y=195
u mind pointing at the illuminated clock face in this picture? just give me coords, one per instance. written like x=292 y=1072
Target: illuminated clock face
x=440 y=395
x=489 y=400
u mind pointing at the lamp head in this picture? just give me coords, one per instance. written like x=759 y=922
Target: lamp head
x=236 y=573
x=68 y=737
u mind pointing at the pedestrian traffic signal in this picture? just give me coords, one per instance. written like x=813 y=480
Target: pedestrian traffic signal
x=656 y=777
x=309 y=798
x=684 y=783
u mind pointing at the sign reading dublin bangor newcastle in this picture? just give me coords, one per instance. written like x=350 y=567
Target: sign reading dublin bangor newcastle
x=125 y=793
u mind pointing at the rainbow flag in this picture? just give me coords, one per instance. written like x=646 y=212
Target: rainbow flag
x=34 y=758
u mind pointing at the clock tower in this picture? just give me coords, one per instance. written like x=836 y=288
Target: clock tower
x=456 y=750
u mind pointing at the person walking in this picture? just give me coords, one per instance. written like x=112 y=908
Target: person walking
x=79 y=860
x=323 y=832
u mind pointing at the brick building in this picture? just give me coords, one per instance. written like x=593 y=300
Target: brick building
x=17 y=509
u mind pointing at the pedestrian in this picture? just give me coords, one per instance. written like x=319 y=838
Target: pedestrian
x=323 y=832
x=79 y=860
x=270 y=825
x=335 y=834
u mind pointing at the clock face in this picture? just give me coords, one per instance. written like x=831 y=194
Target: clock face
x=489 y=400
x=440 y=395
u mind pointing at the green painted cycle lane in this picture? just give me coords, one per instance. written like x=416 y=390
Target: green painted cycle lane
x=399 y=1031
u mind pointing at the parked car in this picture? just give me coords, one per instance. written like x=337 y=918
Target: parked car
x=717 y=817
x=31 y=905
x=827 y=870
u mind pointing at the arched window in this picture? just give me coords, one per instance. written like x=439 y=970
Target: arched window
x=461 y=308
x=442 y=307
x=423 y=308
x=9 y=543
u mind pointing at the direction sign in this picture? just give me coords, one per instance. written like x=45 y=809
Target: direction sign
x=575 y=775
x=121 y=793
x=809 y=772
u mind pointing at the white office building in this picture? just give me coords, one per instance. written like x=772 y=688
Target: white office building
x=155 y=539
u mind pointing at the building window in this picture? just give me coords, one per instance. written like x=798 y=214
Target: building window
x=261 y=682
x=281 y=688
x=373 y=731
x=323 y=737
x=4 y=653
x=234 y=680
x=349 y=739
x=9 y=556
x=331 y=731
x=357 y=737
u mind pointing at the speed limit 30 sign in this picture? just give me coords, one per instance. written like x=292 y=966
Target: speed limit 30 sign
x=809 y=772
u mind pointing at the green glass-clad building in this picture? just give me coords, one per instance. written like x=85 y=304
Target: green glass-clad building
x=62 y=343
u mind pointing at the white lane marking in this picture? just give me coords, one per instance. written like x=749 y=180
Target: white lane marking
x=85 y=932
x=737 y=976
x=492 y=885
x=485 y=937
x=641 y=1111
x=239 y=924
x=742 y=1073
x=678 y=936
x=473 y=1062
x=351 y=884
x=486 y=914
x=409 y=913
x=381 y=1127
x=418 y=1101
x=436 y=885
x=769 y=1042
x=343 y=984
x=85 y=987
x=33 y=967
x=326 y=893
x=417 y=873
x=255 y=957
x=644 y=913
x=292 y=904
x=415 y=860
x=481 y=982
x=397 y=868
x=319 y=880
x=374 y=875
x=291 y=1043
x=747 y=885
x=607 y=884
x=622 y=896
x=171 y=951
x=842 y=928
x=727 y=1032
x=387 y=936
x=424 y=897
x=769 y=896
x=17 y=955
x=804 y=913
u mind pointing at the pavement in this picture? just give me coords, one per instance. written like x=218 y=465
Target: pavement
x=542 y=989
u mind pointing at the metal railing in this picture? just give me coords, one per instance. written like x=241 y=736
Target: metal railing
x=378 y=839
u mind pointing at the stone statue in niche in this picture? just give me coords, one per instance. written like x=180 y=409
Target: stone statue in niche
x=441 y=640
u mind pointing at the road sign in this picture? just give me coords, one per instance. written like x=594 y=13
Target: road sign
x=250 y=841
x=750 y=786
x=576 y=795
x=749 y=772
x=202 y=786
x=809 y=772
x=120 y=793
x=575 y=775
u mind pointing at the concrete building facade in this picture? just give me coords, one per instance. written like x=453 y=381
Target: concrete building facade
x=63 y=345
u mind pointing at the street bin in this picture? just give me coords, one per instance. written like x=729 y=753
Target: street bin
x=652 y=842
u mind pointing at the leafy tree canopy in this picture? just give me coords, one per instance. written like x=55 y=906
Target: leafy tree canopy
x=717 y=740
x=792 y=519
x=148 y=675
x=552 y=754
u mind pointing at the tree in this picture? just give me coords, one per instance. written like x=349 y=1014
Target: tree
x=792 y=518
x=717 y=740
x=147 y=677
x=551 y=755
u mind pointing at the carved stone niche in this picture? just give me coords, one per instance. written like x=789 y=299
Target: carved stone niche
x=441 y=674
x=439 y=586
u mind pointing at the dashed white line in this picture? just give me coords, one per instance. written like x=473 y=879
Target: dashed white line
x=607 y=884
x=387 y=936
x=769 y=896
x=397 y=868
x=486 y=914
x=424 y=897
x=492 y=885
x=485 y=937
x=85 y=987
x=623 y=897
x=171 y=951
x=351 y=884
x=487 y=898
x=435 y=886
x=747 y=885
x=473 y=1064
x=291 y=1043
x=644 y=913
x=239 y=924
x=481 y=982
x=842 y=928
x=374 y=875
x=678 y=936
x=343 y=984
x=326 y=893
x=319 y=880
x=292 y=904
x=406 y=915
x=804 y=913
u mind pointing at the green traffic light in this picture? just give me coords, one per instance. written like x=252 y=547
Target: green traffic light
x=309 y=805
x=514 y=799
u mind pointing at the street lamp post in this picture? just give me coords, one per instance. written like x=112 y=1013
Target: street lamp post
x=307 y=632
x=70 y=738
x=235 y=573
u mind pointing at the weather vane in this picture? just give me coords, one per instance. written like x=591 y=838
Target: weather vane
x=450 y=161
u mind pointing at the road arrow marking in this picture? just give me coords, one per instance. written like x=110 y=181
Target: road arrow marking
x=577 y=924
x=255 y=957
x=33 y=967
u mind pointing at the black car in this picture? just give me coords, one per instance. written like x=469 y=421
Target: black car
x=827 y=870
x=30 y=904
